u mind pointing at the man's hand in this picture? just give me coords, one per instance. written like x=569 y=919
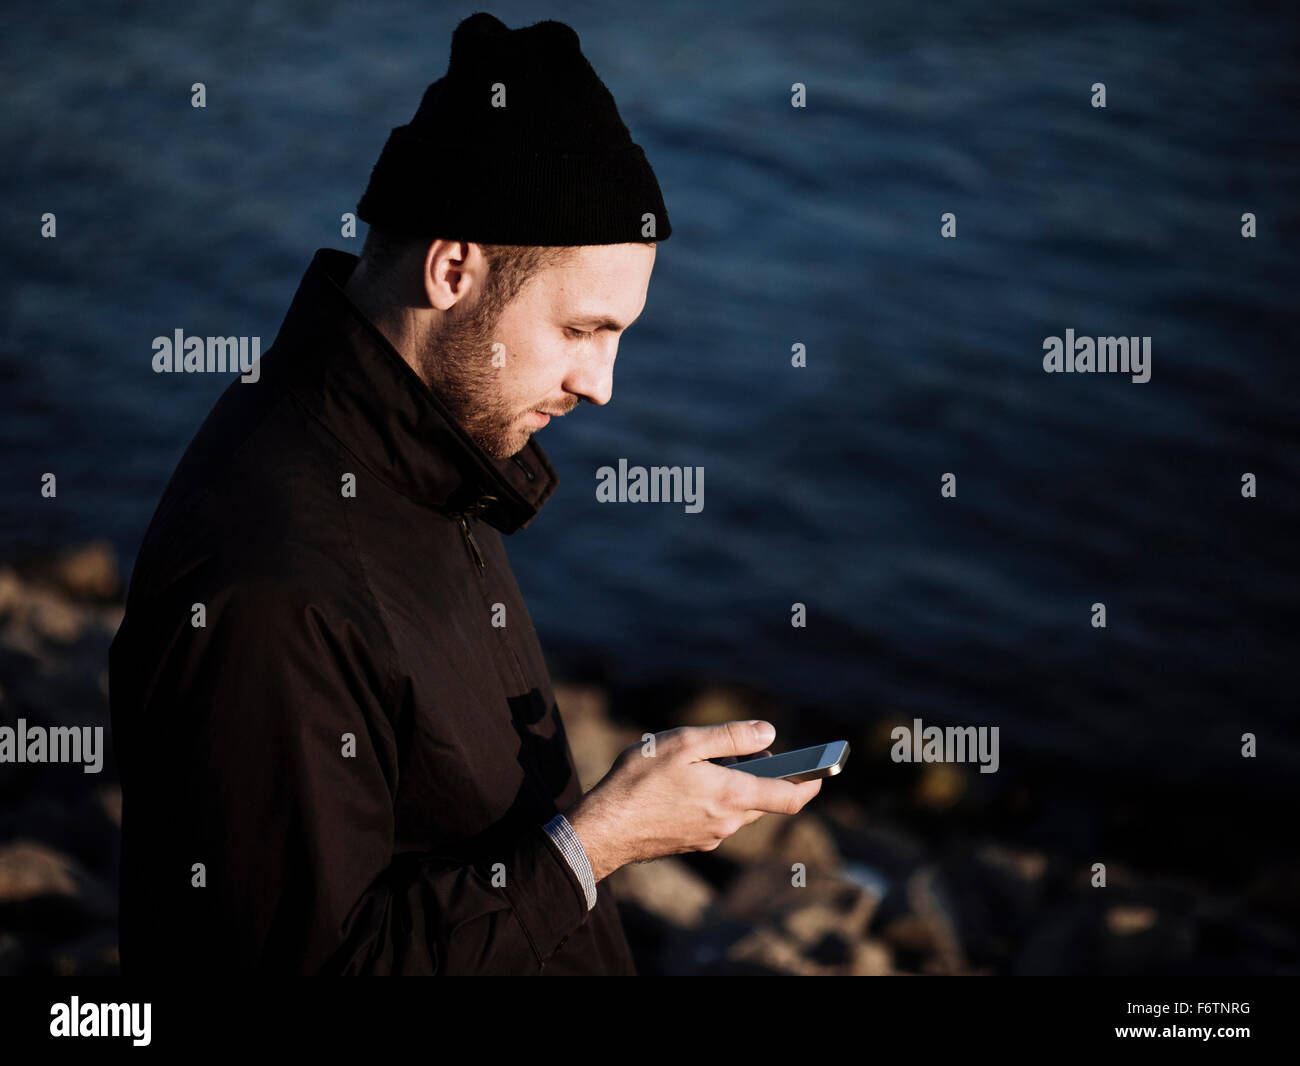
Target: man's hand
x=676 y=800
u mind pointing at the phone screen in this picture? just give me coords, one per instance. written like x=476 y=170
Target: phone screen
x=790 y=762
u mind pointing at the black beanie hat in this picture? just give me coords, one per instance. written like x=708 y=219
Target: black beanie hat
x=555 y=165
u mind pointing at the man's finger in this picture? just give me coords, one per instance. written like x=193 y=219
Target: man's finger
x=729 y=738
x=775 y=796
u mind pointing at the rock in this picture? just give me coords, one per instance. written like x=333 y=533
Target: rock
x=929 y=926
x=871 y=958
x=842 y=812
x=110 y=800
x=763 y=894
x=51 y=889
x=752 y=842
x=667 y=888
x=892 y=851
x=1275 y=892
x=12 y=955
x=997 y=894
x=848 y=918
x=594 y=739
x=1059 y=944
x=1127 y=920
x=94 y=955
x=789 y=838
x=32 y=614
x=1026 y=865
x=804 y=838
x=29 y=870
x=766 y=948
x=942 y=785
x=88 y=572
x=716 y=704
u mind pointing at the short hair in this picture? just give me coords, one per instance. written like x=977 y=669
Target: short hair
x=510 y=266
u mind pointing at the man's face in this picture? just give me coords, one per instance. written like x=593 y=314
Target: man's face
x=560 y=335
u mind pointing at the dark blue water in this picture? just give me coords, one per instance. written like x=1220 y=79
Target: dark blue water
x=818 y=226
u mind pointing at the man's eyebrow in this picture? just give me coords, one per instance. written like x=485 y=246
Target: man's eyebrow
x=598 y=320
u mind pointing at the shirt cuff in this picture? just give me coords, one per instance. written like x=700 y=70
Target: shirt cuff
x=560 y=831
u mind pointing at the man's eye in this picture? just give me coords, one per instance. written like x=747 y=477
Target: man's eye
x=575 y=333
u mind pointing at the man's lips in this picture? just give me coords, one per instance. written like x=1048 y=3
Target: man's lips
x=542 y=417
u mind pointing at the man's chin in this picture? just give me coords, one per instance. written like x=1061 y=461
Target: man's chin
x=504 y=447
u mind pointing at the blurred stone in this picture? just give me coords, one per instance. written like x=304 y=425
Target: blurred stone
x=752 y=842
x=842 y=811
x=594 y=739
x=110 y=799
x=929 y=926
x=942 y=785
x=31 y=613
x=804 y=838
x=94 y=955
x=847 y=917
x=884 y=847
x=879 y=735
x=716 y=704
x=12 y=955
x=767 y=948
x=997 y=892
x=763 y=893
x=871 y=958
x=88 y=572
x=1027 y=865
x=1127 y=920
x=1275 y=892
x=667 y=888
x=1059 y=945
x=29 y=869
x=790 y=838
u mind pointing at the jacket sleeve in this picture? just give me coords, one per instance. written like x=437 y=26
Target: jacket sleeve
x=273 y=762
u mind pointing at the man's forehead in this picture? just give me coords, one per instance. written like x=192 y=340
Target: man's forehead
x=601 y=285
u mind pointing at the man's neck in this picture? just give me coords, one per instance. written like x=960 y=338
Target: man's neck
x=374 y=300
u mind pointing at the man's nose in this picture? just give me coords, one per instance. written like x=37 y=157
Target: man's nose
x=592 y=374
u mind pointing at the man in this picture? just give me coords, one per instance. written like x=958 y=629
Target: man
x=339 y=745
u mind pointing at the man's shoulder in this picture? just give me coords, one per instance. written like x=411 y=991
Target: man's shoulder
x=256 y=498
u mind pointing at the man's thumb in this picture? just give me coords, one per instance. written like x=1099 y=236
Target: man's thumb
x=733 y=738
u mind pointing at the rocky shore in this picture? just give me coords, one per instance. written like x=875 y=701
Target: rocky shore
x=904 y=870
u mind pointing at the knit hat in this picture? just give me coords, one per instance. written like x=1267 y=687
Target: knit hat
x=520 y=142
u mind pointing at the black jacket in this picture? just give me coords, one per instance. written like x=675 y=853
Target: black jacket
x=348 y=744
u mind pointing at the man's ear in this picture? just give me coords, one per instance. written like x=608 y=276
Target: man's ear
x=451 y=270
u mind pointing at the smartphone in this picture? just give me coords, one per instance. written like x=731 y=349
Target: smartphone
x=805 y=764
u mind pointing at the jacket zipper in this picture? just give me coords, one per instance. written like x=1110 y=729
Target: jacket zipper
x=480 y=505
x=462 y=517
x=473 y=544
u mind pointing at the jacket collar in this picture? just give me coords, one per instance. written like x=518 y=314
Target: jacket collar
x=348 y=375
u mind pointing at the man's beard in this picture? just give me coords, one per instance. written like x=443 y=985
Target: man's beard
x=457 y=367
